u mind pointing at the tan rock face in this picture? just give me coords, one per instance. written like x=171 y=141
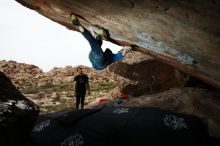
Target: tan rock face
x=24 y=71
x=144 y=75
x=183 y=33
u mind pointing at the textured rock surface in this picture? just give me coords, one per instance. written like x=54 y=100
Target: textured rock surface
x=144 y=75
x=185 y=34
x=17 y=114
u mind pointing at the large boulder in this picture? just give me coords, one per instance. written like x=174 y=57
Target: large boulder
x=144 y=75
x=183 y=33
x=17 y=114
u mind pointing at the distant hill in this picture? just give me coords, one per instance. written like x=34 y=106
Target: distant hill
x=53 y=90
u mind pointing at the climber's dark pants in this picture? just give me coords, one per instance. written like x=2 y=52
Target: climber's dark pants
x=80 y=99
x=96 y=55
x=98 y=58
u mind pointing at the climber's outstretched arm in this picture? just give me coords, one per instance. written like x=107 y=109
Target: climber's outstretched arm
x=126 y=49
x=122 y=54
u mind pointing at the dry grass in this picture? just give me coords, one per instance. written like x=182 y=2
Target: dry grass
x=66 y=99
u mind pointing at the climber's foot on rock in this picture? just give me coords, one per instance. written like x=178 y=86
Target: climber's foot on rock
x=75 y=22
x=74 y=19
x=103 y=33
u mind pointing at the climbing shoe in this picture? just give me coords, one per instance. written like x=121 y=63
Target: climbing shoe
x=74 y=19
x=100 y=32
x=103 y=33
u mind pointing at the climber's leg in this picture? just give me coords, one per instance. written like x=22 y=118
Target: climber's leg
x=99 y=39
x=88 y=36
x=96 y=55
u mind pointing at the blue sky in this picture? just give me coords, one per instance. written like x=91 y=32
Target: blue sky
x=27 y=37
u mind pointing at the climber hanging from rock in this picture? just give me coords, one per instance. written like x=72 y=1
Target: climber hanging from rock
x=98 y=58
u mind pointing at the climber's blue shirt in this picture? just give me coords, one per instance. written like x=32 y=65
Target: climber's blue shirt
x=116 y=57
x=98 y=58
